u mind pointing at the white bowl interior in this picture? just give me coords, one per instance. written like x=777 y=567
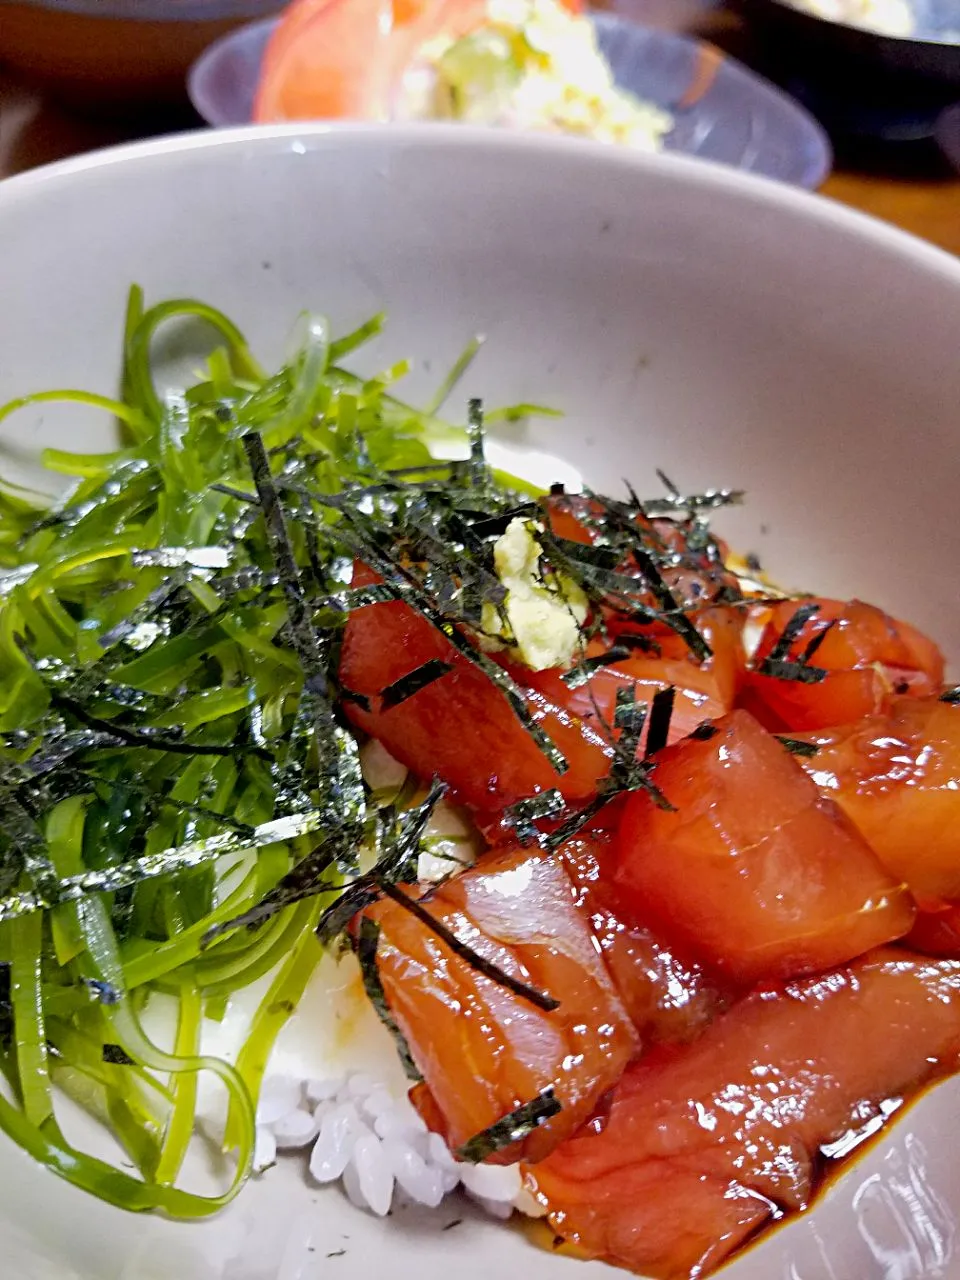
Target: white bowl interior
x=730 y=331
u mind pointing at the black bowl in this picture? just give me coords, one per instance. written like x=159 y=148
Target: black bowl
x=859 y=82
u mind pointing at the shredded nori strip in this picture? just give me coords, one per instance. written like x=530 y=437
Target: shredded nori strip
x=664 y=596
x=401 y=838
x=513 y=1127
x=466 y=953
x=704 y=731
x=150 y=740
x=792 y=630
x=479 y=475
x=576 y=822
x=586 y=668
x=951 y=695
x=797 y=747
x=524 y=814
x=818 y=640
x=179 y=858
x=303 y=635
x=661 y=713
x=629 y=716
x=117 y=1056
x=428 y=672
x=368 y=940
x=796 y=672
x=350 y=695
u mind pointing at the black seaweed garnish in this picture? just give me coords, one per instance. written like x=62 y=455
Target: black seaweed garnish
x=951 y=695
x=513 y=1127
x=525 y=814
x=117 y=1056
x=668 y=603
x=778 y=664
x=586 y=668
x=368 y=940
x=661 y=713
x=428 y=672
x=149 y=739
x=797 y=747
x=473 y=958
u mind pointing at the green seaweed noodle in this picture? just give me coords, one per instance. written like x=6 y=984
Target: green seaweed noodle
x=181 y=801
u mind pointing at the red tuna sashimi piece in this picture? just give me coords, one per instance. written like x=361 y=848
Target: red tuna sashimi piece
x=897 y=777
x=482 y=1049
x=868 y=657
x=754 y=873
x=702 y=1145
x=459 y=728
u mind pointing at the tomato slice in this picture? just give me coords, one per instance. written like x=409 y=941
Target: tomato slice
x=897 y=777
x=342 y=58
x=702 y=1145
x=482 y=1049
x=753 y=873
x=459 y=728
x=668 y=999
x=868 y=656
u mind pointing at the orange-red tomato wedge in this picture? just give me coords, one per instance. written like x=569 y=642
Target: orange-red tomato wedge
x=342 y=58
x=701 y=1145
x=484 y=1050
x=753 y=872
x=897 y=777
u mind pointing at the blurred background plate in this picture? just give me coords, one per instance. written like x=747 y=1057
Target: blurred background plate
x=723 y=111
x=97 y=54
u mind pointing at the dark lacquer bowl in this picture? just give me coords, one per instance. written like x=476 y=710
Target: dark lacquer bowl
x=859 y=81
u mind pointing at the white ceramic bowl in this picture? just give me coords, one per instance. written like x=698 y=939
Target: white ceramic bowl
x=728 y=330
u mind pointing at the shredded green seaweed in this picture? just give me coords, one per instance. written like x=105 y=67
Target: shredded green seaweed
x=182 y=808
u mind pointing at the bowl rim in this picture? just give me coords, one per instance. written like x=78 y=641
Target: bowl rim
x=314 y=136
x=159 y=10
x=928 y=40
x=819 y=159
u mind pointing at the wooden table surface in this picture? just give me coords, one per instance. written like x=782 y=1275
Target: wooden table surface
x=921 y=195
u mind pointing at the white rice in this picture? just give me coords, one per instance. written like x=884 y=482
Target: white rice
x=362 y=1132
x=371 y=1143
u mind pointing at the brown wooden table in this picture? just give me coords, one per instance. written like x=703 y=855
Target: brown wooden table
x=922 y=195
